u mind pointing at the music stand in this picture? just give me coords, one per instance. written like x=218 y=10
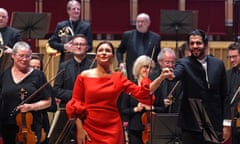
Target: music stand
x=178 y=22
x=204 y=123
x=165 y=130
x=31 y=25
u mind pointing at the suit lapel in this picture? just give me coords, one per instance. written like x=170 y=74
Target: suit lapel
x=134 y=40
x=72 y=71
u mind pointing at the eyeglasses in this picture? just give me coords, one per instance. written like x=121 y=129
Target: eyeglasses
x=22 y=56
x=169 y=62
x=79 y=44
x=147 y=67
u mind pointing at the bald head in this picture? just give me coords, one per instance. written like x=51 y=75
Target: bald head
x=143 y=22
x=3 y=17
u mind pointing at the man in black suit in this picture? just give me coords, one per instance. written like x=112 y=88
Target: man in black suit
x=68 y=28
x=233 y=78
x=204 y=83
x=64 y=83
x=169 y=93
x=8 y=37
x=140 y=41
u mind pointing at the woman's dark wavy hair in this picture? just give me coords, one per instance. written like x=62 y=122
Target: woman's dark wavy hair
x=108 y=43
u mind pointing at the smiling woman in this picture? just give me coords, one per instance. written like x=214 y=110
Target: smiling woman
x=21 y=76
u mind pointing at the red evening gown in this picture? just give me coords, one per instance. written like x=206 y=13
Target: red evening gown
x=96 y=100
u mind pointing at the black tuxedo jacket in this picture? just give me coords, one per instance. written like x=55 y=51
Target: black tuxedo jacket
x=64 y=83
x=129 y=45
x=10 y=36
x=80 y=28
x=213 y=92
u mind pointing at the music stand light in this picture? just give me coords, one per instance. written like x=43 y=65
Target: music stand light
x=178 y=22
x=31 y=25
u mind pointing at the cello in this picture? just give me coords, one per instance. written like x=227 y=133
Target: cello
x=24 y=121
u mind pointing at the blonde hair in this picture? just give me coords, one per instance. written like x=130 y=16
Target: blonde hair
x=139 y=63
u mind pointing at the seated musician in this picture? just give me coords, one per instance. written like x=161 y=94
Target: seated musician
x=17 y=84
x=233 y=80
x=37 y=63
x=167 y=97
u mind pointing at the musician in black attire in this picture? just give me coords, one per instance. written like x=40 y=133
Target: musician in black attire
x=137 y=42
x=22 y=76
x=37 y=63
x=70 y=27
x=233 y=79
x=131 y=108
x=8 y=36
x=169 y=104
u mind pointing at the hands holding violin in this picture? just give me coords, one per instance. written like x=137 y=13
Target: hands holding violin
x=140 y=107
x=25 y=108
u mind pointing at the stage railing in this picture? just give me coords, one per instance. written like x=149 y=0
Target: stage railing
x=217 y=49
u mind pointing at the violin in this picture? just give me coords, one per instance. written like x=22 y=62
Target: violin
x=146 y=121
x=24 y=121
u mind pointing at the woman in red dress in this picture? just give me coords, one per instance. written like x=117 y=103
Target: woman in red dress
x=95 y=95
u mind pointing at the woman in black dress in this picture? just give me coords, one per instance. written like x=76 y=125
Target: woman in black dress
x=21 y=76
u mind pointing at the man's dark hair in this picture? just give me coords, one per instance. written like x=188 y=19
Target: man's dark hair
x=200 y=33
x=234 y=46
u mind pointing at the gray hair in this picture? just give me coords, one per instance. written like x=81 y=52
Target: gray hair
x=139 y=62
x=71 y=2
x=165 y=50
x=145 y=15
x=21 y=45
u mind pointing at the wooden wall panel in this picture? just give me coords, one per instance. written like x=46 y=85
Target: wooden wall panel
x=153 y=8
x=110 y=16
x=58 y=11
x=18 y=6
x=211 y=15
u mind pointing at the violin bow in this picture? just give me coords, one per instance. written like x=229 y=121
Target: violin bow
x=151 y=93
x=235 y=95
x=170 y=96
x=35 y=92
x=65 y=131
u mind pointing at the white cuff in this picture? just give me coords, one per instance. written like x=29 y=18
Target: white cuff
x=227 y=122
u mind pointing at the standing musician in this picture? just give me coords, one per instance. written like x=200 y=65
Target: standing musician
x=68 y=28
x=137 y=42
x=64 y=83
x=233 y=79
x=8 y=37
x=205 y=85
x=22 y=76
x=131 y=107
